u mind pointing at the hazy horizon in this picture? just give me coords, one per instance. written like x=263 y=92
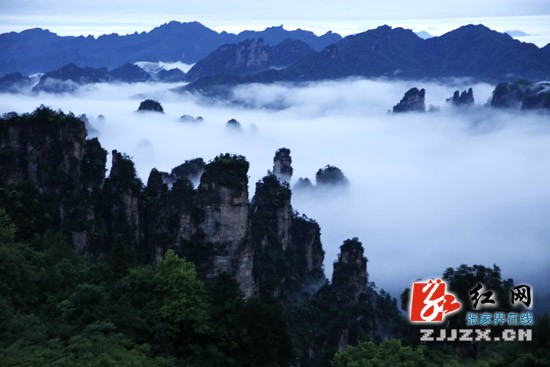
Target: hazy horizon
x=534 y=25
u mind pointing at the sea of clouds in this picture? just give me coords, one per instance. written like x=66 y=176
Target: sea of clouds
x=428 y=191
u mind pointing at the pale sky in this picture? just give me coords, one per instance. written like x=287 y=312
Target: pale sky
x=236 y=14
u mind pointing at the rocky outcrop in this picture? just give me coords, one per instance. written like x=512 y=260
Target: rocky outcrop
x=150 y=105
x=331 y=176
x=466 y=98
x=122 y=191
x=269 y=250
x=48 y=152
x=129 y=73
x=349 y=277
x=539 y=101
x=30 y=143
x=328 y=177
x=169 y=219
x=248 y=57
x=191 y=170
x=343 y=307
x=233 y=125
x=413 y=100
x=271 y=234
x=288 y=52
x=69 y=77
x=288 y=251
x=223 y=199
x=524 y=95
x=282 y=165
x=308 y=251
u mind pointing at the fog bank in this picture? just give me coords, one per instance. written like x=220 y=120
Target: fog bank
x=428 y=191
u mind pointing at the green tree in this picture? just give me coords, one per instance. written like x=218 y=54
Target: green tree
x=228 y=311
x=391 y=353
x=98 y=345
x=185 y=308
x=269 y=340
x=7 y=228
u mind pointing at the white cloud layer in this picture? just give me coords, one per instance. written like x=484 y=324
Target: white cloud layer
x=428 y=191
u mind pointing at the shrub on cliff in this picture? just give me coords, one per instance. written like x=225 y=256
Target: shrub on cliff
x=228 y=170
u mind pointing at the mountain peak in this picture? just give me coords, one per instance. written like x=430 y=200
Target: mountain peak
x=182 y=25
x=35 y=32
x=473 y=28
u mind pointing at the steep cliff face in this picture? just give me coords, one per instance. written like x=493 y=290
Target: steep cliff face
x=169 y=212
x=222 y=197
x=247 y=57
x=209 y=225
x=343 y=308
x=121 y=199
x=349 y=278
x=413 y=100
x=288 y=252
x=306 y=246
x=271 y=215
x=269 y=250
x=349 y=284
x=166 y=215
x=42 y=149
x=263 y=244
x=48 y=152
x=464 y=99
x=282 y=165
x=522 y=94
x=191 y=170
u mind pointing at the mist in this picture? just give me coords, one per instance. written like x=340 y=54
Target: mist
x=427 y=191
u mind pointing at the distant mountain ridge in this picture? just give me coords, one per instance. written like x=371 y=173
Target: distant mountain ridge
x=471 y=51
x=38 y=50
x=70 y=77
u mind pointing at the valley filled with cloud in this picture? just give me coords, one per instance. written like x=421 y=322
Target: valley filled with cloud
x=427 y=190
